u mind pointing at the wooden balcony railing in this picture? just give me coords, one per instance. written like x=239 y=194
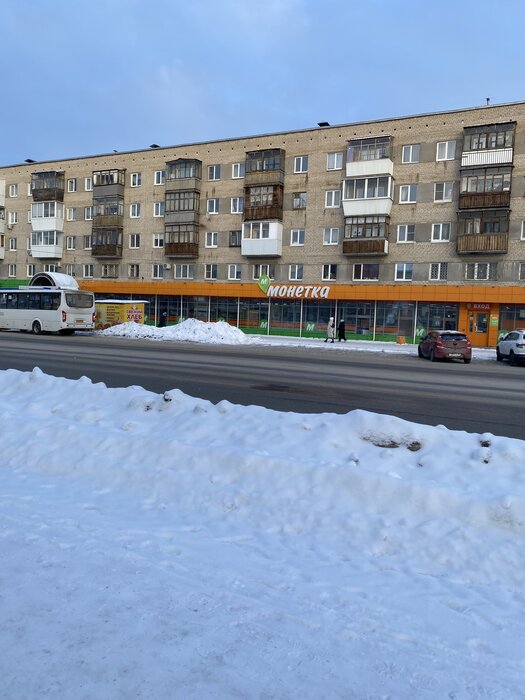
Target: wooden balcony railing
x=181 y=250
x=107 y=250
x=480 y=243
x=365 y=246
x=484 y=200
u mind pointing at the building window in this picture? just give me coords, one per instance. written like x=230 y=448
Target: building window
x=407 y=194
x=11 y=270
x=12 y=244
x=70 y=269
x=13 y=190
x=367 y=188
x=295 y=273
x=237 y=205
x=134 y=211
x=410 y=153
x=438 y=271
x=332 y=199
x=88 y=213
x=88 y=242
x=214 y=172
x=212 y=239
x=334 y=161
x=493 y=180
x=299 y=200
x=12 y=218
x=523 y=230
x=235 y=239
x=136 y=179
x=297 y=236
x=134 y=271
x=366 y=227
x=182 y=201
x=446 y=150
x=71 y=243
x=184 y=271
x=480 y=271
x=256 y=229
x=403 y=272
x=158 y=240
x=491 y=139
x=88 y=184
x=234 y=272
x=159 y=177
x=329 y=272
x=71 y=213
x=238 y=170
x=158 y=209
x=212 y=206
x=440 y=233
x=87 y=270
x=134 y=240
x=109 y=270
x=72 y=184
x=330 y=236
x=51 y=267
x=406 y=233
x=300 y=164
x=259 y=270
x=366 y=272
x=157 y=271
x=443 y=191
x=30 y=270
x=210 y=271
x=522 y=271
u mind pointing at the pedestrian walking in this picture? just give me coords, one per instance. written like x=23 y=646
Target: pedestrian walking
x=341 y=331
x=330 y=330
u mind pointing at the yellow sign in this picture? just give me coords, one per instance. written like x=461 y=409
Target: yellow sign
x=112 y=313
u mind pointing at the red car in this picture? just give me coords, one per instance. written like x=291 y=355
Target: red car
x=449 y=345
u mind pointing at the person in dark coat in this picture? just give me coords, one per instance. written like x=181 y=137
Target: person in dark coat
x=341 y=330
x=162 y=320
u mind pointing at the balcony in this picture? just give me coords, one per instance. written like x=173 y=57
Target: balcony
x=106 y=250
x=482 y=243
x=2 y=219
x=2 y=246
x=484 y=200
x=370 y=156
x=108 y=220
x=356 y=247
x=47 y=251
x=181 y=250
x=183 y=185
x=265 y=211
x=48 y=186
x=261 y=247
x=494 y=156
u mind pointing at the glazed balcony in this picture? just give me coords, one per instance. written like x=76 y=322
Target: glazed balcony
x=484 y=200
x=2 y=246
x=46 y=244
x=108 y=220
x=356 y=247
x=106 y=250
x=482 y=243
x=48 y=186
x=266 y=211
x=2 y=219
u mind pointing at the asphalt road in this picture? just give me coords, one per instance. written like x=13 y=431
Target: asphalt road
x=481 y=397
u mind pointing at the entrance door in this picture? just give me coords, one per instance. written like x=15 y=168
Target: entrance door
x=479 y=327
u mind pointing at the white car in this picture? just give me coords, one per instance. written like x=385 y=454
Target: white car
x=512 y=347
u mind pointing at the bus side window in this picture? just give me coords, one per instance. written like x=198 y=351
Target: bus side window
x=3 y=300
x=23 y=300
x=34 y=300
x=55 y=299
x=11 y=301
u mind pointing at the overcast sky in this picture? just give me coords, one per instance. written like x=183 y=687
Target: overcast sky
x=81 y=78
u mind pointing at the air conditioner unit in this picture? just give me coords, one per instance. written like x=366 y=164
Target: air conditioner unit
x=167 y=266
x=10 y=227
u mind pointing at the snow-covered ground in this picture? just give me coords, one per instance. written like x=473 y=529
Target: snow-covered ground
x=160 y=547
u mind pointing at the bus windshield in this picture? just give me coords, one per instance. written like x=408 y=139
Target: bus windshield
x=79 y=300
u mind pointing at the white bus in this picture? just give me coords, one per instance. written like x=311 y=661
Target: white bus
x=51 y=302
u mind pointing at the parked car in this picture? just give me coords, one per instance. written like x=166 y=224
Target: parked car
x=512 y=347
x=449 y=345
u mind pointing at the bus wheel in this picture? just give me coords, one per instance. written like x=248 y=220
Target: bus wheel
x=37 y=328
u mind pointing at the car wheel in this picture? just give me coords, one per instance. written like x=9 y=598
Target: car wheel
x=420 y=352
x=512 y=358
x=432 y=356
x=499 y=356
x=36 y=328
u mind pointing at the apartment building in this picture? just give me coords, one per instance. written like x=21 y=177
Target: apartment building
x=397 y=226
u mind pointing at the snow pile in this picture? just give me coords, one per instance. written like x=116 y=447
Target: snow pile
x=191 y=329
x=160 y=546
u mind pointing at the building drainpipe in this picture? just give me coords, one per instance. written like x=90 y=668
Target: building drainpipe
x=301 y=321
x=415 y=324
x=375 y=320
